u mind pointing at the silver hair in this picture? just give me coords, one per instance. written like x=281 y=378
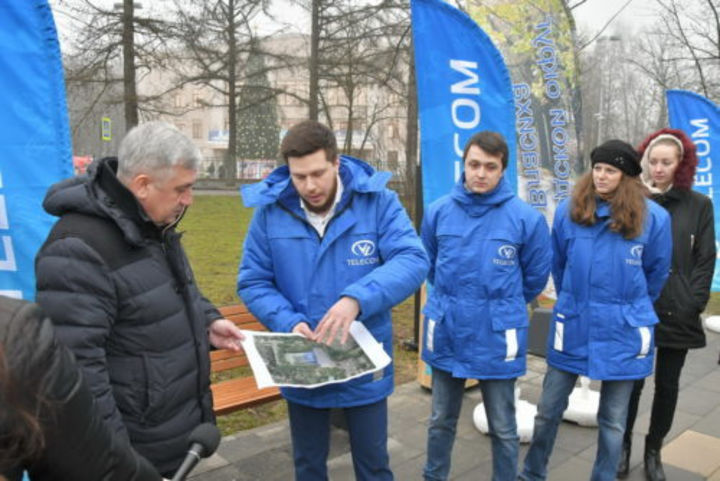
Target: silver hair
x=155 y=146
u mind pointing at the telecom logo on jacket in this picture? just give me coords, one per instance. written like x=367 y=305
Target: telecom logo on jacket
x=636 y=252
x=363 y=251
x=507 y=255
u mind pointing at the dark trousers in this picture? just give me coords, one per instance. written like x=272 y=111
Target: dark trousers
x=668 y=365
x=367 y=427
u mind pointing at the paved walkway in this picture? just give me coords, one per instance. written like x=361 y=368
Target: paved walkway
x=691 y=452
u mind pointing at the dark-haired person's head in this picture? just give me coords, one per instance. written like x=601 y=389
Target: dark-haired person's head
x=50 y=424
x=310 y=151
x=485 y=159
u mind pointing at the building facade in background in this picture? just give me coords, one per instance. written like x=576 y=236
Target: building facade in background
x=200 y=111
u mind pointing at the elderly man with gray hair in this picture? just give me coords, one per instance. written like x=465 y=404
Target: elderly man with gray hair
x=114 y=279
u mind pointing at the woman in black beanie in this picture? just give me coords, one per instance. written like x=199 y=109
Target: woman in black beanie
x=611 y=255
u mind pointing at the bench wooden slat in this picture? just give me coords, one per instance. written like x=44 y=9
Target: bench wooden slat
x=242 y=392
x=223 y=355
x=228 y=364
x=234 y=309
x=239 y=392
x=251 y=326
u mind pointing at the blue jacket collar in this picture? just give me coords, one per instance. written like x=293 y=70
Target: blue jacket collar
x=479 y=204
x=355 y=174
x=602 y=209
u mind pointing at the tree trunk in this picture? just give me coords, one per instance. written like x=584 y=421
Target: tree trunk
x=314 y=63
x=231 y=155
x=128 y=43
x=411 y=140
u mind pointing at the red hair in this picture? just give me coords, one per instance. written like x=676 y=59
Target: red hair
x=685 y=173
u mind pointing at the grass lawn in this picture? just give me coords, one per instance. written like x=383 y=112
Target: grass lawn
x=214 y=230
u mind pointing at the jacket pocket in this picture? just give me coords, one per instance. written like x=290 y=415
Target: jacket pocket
x=685 y=295
x=155 y=387
x=450 y=249
x=128 y=378
x=436 y=335
x=640 y=317
x=509 y=313
x=566 y=328
x=510 y=319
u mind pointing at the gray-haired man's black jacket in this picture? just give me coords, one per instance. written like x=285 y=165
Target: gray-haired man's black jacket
x=122 y=296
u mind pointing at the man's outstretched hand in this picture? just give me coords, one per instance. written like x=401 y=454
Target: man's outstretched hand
x=337 y=320
x=224 y=334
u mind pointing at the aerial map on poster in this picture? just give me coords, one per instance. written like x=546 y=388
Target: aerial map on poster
x=291 y=360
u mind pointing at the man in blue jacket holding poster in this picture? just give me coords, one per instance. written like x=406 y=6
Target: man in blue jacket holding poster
x=329 y=244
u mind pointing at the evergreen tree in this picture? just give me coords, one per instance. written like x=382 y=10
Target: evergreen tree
x=257 y=121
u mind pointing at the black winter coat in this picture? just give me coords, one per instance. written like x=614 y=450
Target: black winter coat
x=79 y=446
x=693 y=262
x=123 y=297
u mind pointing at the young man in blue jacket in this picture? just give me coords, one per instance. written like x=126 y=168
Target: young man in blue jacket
x=329 y=244
x=489 y=256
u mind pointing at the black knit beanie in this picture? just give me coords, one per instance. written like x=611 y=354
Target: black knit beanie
x=619 y=154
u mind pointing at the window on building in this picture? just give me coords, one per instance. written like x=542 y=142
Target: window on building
x=361 y=97
x=196 y=129
x=334 y=97
x=393 y=130
x=197 y=99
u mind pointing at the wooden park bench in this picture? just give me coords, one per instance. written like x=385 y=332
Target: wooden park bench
x=240 y=391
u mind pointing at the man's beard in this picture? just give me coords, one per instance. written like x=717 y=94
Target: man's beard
x=325 y=207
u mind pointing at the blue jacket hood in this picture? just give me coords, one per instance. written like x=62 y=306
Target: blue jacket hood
x=357 y=176
x=479 y=204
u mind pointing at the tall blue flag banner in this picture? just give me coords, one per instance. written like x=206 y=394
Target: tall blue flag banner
x=463 y=87
x=537 y=41
x=699 y=118
x=34 y=138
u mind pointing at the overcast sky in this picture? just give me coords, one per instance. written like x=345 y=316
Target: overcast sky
x=593 y=14
x=590 y=16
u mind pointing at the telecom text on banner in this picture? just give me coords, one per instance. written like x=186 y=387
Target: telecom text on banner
x=700 y=119
x=34 y=139
x=463 y=88
x=536 y=41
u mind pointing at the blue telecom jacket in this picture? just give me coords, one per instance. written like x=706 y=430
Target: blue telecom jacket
x=369 y=252
x=489 y=256
x=603 y=318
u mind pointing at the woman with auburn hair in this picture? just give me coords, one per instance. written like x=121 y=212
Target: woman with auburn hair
x=669 y=163
x=611 y=254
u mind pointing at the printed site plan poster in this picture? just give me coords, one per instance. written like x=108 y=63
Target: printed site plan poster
x=291 y=360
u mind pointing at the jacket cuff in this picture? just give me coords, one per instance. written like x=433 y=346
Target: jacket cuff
x=367 y=302
x=293 y=321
